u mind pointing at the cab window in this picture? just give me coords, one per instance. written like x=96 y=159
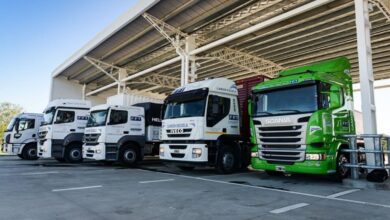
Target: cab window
x=118 y=117
x=217 y=109
x=64 y=117
x=25 y=124
x=324 y=95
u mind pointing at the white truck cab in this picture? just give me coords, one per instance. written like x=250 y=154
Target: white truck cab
x=61 y=133
x=201 y=126
x=122 y=133
x=20 y=137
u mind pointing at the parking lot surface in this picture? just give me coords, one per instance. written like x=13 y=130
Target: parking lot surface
x=46 y=189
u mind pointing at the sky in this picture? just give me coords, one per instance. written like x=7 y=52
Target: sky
x=36 y=36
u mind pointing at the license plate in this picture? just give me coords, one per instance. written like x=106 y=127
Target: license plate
x=280 y=168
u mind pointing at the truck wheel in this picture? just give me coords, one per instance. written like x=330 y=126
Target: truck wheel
x=186 y=168
x=73 y=154
x=129 y=156
x=342 y=172
x=226 y=162
x=30 y=152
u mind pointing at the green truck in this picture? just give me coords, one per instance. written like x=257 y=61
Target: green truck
x=298 y=120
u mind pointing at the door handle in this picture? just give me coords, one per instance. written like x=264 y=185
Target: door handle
x=126 y=132
x=72 y=130
x=34 y=135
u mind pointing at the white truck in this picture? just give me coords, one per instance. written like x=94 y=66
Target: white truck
x=122 y=133
x=20 y=137
x=61 y=133
x=201 y=126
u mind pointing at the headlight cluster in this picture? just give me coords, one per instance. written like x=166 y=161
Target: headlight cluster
x=196 y=152
x=255 y=154
x=162 y=151
x=315 y=156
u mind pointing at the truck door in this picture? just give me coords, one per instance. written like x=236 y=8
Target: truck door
x=218 y=109
x=64 y=124
x=341 y=115
x=117 y=125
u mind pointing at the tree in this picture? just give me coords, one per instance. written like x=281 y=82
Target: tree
x=7 y=112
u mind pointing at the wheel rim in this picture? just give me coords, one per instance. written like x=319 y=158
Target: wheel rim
x=75 y=154
x=228 y=161
x=32 y=152
x=129 y=156
x=341 y=161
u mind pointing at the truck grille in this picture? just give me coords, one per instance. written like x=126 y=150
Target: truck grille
x=284 y=144
x=42 y=134
x=91 y=139
x=172 y=133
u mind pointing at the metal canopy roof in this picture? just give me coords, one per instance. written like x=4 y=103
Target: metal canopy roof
x=133 y=43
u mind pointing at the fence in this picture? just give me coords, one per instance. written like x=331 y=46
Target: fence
x=380 y=152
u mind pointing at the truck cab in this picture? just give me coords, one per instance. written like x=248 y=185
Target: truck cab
x=298 y=120
x=62 y=130
x=201 y=126
x=122 y=133
x=20 y=137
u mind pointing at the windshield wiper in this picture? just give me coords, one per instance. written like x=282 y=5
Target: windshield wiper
x=265 y=112
x=290 y=110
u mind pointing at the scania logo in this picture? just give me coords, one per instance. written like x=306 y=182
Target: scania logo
x=279 y=120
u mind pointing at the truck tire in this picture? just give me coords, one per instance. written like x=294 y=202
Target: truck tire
x=341 y=171
x=20 y=156
x=186 y=168
x=226 y=161
x=128 y=156
x=30 y=152
x=73 y=153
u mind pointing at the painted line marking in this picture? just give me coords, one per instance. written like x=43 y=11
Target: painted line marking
x=278 y=190
x=39 y=173
x=343 y=193
x=157 y=181
x=289 y=208
x=76 y=188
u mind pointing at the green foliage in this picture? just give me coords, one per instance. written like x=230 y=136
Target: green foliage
x=7 y=112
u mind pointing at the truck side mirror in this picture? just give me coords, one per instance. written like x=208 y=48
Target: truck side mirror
x=17 y=127
x=335 y=97
x=250 y=105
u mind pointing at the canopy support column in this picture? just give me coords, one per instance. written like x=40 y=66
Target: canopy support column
x=366 y=75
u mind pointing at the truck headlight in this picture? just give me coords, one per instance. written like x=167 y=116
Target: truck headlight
x=315 y=156
x=255 y=154
x=162 y=150
x=196 y=152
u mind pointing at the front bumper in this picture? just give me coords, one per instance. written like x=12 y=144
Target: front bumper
x=183 y=153
x=94 y=152
x=322 y=167
x=44 y=150
x=15 y=149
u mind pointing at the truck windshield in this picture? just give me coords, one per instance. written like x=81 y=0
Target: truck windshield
x=48 y=116
x=11 y=124
x=97 y=118
x=181 y=109
x=292 y=100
